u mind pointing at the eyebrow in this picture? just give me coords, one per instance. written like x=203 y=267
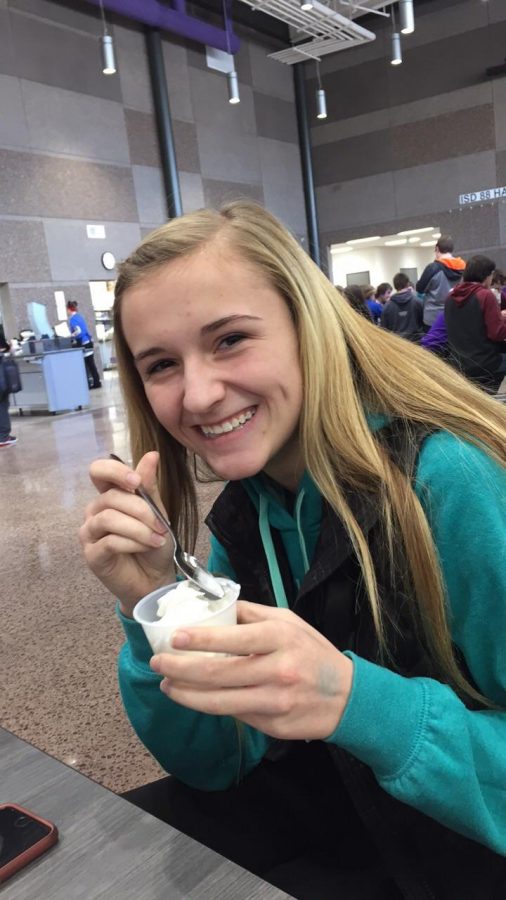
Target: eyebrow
x=207 y=329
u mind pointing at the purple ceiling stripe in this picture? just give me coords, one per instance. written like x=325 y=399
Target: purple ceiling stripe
x=150 y=12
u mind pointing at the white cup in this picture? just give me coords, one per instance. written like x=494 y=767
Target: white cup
x=159 y=631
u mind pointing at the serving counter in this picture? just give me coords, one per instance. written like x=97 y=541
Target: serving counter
x=54 y=380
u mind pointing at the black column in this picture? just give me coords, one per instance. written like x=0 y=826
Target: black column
x=163 y=122
x=307 y=163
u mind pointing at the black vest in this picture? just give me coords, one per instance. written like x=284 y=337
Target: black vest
x=426 y=859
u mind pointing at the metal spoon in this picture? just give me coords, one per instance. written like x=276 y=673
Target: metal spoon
x=186 y=564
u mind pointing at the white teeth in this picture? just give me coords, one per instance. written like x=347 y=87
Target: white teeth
x=225 y=427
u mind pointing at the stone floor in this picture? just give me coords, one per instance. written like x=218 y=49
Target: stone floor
x=60 y=637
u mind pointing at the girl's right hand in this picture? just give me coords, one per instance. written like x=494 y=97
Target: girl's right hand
x=124 y=544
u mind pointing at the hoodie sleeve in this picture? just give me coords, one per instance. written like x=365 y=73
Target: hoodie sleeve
x=425 y=278
x=206 y=752
x=424 y=745
x=495 y=324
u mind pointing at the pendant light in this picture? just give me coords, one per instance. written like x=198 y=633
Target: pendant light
x=396 y=57
x=306 y=5
x=232 y=79
x=321 y=102
x=406 y=16
x=107 y=48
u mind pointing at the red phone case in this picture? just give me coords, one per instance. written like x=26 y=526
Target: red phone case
x=32 y=852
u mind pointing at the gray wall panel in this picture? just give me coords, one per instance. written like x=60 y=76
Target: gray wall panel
x=474 y=228
x=287 y=205
x=69 y=122
x=211 y=107
x=443 y=137
x=358 y=202
x=133 y=71
x=178 y=81
x=24 y=253
x=450 y=65
x=192 y=192
x=73 y=256
x=276 y=118
x=426 y=188
x=87 y=20
x=150 y=195
x=232 y=157
x=8 y=62
x=218 y=192
x=61 y=57
x=13 y=127
x=499 y=92
x=280 y=162
x=269 y=76
x=356 y=157
x=142 y=139
x=36 y=185
x=186 y=144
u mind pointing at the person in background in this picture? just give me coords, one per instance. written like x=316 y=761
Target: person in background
x=498 y=285
x=403 y=312
x=475 y=325
x=349 y=745
x=6 y=438
x=354 y=296
x=82 y=337
x=383 y=292
x=436 y=338
x=375 y=308
x=438 y=279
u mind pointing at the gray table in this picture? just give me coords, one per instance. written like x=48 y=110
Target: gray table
x=108 y=848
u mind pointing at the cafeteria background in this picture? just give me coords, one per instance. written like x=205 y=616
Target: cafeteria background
x=405 y=152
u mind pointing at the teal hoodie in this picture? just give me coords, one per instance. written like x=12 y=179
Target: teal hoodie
x=424 y=746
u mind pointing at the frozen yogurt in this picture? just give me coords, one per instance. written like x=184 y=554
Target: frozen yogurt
x=182 y=603
x=186 y=604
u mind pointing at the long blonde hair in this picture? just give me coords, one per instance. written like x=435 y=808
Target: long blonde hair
x=350 y=367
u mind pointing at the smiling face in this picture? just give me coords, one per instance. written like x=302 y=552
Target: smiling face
x=217 y=352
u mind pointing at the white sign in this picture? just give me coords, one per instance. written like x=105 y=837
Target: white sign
x=495 y=193
x=95 y=231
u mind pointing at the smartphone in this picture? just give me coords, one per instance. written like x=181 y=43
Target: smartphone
x=23 y=837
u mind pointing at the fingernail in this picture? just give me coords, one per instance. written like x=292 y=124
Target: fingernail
x=165 y=685
x=154 y=663
x=180 y=639
x=133 y=479
x=157 y=540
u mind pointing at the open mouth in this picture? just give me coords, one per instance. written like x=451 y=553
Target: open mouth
x=233 y=424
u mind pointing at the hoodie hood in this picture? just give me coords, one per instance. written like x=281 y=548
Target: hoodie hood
x=467 y=289
x=453 y=267
x=403 y=297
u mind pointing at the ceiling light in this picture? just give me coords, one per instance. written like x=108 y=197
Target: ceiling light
x=396 y=243
x=107 y=48
x=341 y=249
x=427 y=244
x=437 y=234
x=396 y=57
x=306 y=5
x=108 y=61
x=321 y=102
x=406 y=16
x=232 y=80
x=413 y=240
x=233 y=87
x=417 y=230
x=364 y=240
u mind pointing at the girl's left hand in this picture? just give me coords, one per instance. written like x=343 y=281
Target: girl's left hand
x=282 y=676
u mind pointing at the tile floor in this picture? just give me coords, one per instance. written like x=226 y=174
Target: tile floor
x=59 y=636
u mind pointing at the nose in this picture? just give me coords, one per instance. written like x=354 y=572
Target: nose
x=203 y=386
